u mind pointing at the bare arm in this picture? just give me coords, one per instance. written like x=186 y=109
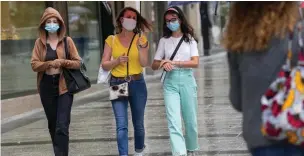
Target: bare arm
x=143 y=55
x=159 y=56
x=193 y=63
x=168 y=65
x=107 y=63
x=143 y=49
x=155 y=64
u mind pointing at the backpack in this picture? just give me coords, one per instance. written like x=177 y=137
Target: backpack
x=282 y=104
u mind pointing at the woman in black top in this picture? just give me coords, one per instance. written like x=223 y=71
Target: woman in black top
x=48 y=59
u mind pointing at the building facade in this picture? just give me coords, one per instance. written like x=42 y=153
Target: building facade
x=88 y=23
x=85 y=22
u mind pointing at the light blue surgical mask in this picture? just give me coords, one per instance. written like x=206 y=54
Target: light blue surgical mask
x=173 y=26
x=51 y=27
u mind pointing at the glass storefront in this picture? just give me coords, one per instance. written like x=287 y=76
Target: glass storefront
x=153 y=11
x=84 y=20
x=84 y=30
x=19 y=23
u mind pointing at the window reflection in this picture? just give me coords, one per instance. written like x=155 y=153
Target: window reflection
x=19 y=23
x=84 y=29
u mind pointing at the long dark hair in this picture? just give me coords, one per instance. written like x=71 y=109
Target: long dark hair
x=141 y=23
x=186 y=28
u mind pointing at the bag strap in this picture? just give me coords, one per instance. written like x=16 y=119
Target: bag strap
x=177 y=47
x=300 y=28
x=128 y=54
x=174 y=53
x=66 y=48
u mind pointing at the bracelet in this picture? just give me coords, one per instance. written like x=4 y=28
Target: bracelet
x=140 y=46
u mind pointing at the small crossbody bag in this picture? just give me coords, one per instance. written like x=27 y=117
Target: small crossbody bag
x=122 y=90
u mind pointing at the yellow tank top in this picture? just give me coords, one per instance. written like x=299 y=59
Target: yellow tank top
x=118 y=49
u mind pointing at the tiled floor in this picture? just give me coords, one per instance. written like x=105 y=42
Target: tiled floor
x=92 y=127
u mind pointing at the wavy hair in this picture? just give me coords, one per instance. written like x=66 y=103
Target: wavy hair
x=186 y=28
x=141 y=23
x=252 y=25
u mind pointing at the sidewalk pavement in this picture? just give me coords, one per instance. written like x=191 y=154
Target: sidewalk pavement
x=92 y=129
x=30 y=105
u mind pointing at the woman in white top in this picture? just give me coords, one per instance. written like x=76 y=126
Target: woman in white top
x=180 y=89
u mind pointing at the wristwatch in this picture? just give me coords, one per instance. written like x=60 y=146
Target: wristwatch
x=140 y=46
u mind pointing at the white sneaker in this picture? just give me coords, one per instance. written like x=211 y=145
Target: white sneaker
x=140 y=153
x=191 y=153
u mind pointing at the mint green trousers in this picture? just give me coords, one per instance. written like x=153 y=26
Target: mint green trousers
x=180 y=95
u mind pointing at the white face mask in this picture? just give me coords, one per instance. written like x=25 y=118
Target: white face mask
x=129 y=24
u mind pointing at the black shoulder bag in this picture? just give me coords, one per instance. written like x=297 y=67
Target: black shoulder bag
x=163 y=75
x=75 y=79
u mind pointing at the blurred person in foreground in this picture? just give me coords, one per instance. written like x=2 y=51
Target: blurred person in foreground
x=256 y=39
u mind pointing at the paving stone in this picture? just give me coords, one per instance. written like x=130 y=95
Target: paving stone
x=92 y=129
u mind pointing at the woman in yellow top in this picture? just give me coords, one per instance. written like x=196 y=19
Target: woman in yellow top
x=129 y=22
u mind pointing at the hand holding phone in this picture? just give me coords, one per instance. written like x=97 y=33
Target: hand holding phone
x=142 y=42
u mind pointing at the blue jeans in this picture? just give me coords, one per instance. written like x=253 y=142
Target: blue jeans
x=278 y=150
x=137 y=99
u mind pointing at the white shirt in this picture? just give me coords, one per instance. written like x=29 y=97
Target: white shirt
x=167 y=46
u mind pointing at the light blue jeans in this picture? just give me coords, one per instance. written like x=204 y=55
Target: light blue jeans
x=180 y=95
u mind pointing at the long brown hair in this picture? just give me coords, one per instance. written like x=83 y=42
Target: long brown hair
x=251 y=25
x=141 y=23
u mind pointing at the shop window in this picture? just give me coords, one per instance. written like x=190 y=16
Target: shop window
x=84 y=30
x=19 y=24
x=153 y=12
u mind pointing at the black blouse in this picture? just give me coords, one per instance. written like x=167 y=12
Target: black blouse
x=50 y=53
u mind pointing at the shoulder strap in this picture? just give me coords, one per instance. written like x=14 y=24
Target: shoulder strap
x=66 y=48
x=177 y=47
x=131 y=44
x=128 y=53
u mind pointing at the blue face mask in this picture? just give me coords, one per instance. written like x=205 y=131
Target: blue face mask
x=51 y=27
x=173 y=26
